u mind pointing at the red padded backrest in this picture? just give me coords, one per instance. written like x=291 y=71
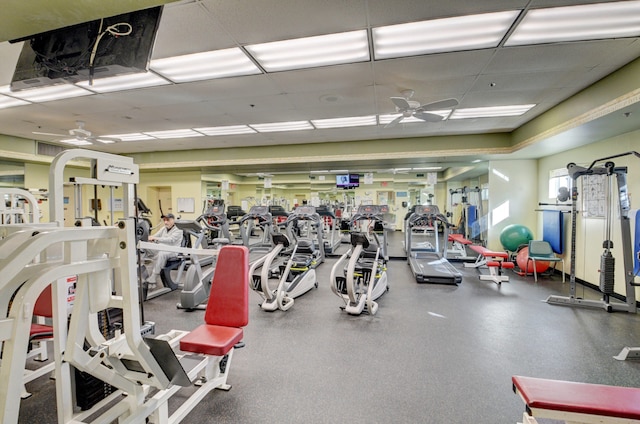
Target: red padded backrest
x=228 y=303
x=43 y=306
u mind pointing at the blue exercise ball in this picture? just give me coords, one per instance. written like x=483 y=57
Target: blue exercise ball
x=515 y=235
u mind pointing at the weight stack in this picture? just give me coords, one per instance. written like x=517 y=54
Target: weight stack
x=89 y=389
x=607 y=270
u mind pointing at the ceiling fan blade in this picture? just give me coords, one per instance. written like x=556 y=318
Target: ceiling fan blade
x=429 y=117
x=439 y=105
x=51 y=134
x=394 y=122
x=401 y=103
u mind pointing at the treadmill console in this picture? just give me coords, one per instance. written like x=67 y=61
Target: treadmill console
x=303 y=212
x=427 y=210
x=368 y=210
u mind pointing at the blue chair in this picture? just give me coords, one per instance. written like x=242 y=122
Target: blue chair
x=540 y=250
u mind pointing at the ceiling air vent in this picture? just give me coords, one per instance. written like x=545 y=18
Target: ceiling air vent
x=49 y=149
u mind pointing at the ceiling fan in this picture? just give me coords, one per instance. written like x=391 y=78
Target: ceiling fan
x=80 y=134
x=409 y=108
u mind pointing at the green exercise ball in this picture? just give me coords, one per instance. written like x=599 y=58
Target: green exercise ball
x=515 y=235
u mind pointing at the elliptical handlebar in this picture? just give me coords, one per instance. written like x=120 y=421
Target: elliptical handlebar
x=204 y=220
x=261 y=213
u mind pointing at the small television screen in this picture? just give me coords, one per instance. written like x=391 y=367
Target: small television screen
x=347 y=181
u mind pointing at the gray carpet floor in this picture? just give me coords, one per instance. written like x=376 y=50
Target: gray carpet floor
x=432 y=353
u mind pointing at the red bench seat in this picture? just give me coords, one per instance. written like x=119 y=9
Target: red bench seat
x=488 y=253
x=227 y=308
x=578 y=398
x=211 y=340
x=459 y=238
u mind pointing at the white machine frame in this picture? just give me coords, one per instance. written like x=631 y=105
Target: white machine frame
x=32 y=256
x=15 y=212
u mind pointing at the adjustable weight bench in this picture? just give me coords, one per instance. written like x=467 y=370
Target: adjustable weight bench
x=495 y=261
x=577 y=402
x=458 y=251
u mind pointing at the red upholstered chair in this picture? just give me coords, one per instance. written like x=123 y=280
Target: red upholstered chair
x=226 y=314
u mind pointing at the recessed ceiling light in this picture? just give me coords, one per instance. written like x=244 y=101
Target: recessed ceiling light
x=76 y=142
x=355 y=121
x=490 y=112
x=282 y=126
x=124 y=82
x=226 y=130
x=309 y=52
x=182 y=133
x=442 y=35
x=206 y=65
x=132 y=137
x=7 y=102
x=53 y=92
x=581 y=22
x=386 y=118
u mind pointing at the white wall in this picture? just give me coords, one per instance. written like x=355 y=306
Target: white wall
x=513 y=195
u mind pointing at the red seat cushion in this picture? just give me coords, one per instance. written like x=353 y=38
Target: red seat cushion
x=488 y=253
x=583 y=398
x=214 y=340
x=40 y=330
x=459 y=238
x=508 y=265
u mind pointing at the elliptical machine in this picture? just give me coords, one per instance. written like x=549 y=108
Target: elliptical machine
x=298 y=275
x=364 y=278
x=282 y=296
x=197 y=283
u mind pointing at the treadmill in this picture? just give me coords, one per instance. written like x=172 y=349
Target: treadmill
x=428 y=262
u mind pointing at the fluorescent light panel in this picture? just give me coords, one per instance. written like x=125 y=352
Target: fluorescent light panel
x=428 y=168
x=574 y=23
x=442 y=35
x=282 y=126
x=309 y=52
x=386 y=118
x=7 y=102
x=132 y=136
x=355 y=121
x=207 y=65
x=226 y=130
x=182 y=133
x=490 y=112
x=53 y=92
x=124 y=82
x=76 y=142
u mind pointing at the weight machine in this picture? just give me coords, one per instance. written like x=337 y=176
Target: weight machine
x=607 y=261
x=145 y=372
x=472 y=214
x=18 y=206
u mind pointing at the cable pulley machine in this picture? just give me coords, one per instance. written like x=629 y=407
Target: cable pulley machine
x=607 y=261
